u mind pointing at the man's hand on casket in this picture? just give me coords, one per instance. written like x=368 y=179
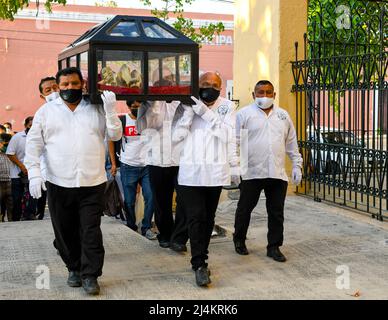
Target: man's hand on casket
x=199 y=107
x=109 y=100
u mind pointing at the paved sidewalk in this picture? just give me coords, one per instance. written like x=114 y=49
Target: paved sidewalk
x=318 y=239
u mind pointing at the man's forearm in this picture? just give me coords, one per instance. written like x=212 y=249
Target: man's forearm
x=111 y=148
x=16 y=161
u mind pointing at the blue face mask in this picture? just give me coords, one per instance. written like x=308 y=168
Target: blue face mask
x=264 y=102
x=52 y=96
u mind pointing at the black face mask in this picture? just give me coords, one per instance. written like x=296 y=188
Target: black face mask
x=208 y=94
x=134 y=112
x=71 y=95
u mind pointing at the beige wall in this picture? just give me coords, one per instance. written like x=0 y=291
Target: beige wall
x=256 y=46
x=264 y=37
x=264 y=45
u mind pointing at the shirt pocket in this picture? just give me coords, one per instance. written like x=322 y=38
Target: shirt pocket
x=278 y=131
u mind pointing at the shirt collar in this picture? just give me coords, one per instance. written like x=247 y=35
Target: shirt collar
x=216 y=104
x=261 y=111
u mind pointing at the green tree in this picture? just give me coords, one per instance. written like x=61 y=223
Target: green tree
x=8 y=8
x=345 y=38
x=171 y=8
x=110 y=3
x=340 y=27
x=174 y=9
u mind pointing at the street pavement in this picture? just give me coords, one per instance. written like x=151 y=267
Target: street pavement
x=332 y=253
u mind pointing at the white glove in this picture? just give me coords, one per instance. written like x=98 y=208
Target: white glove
x=36 y=185
x=235 y=180
x=109 y=100
x=199 y=107
x=296 y=178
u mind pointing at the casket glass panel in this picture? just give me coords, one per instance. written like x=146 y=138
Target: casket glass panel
x=120 y=71
x=125 y=29
x=169 y=73
x=154 y=30
x=83 y=65
x=125 y=51
x=73 y=61
x=63 y=64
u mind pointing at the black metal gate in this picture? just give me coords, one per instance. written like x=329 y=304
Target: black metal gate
x=341 y=89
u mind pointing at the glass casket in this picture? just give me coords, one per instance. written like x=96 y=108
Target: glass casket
x=140 y=58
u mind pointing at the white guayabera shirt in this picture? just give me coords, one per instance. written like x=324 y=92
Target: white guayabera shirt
x=163 y=126
x=210 y=153
x=17 y=146
x=73 y=143
x=265 y=142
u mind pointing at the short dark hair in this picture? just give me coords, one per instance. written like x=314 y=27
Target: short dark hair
x=9 y=124
x=264 y=83
x=28 y=119
x=67 y=71
x=3 y=128
x=130 y=102
x=44 y=80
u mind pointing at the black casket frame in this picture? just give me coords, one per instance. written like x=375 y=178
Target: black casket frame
x=98 y=38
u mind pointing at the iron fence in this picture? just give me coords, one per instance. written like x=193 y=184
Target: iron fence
x=341 y=92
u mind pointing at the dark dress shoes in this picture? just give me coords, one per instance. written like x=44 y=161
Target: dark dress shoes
x=178 y=247
x=74 y=279
x=276 y=254
x=202 y=276
x=164 y=243
x=90 y=285
x=241 y=248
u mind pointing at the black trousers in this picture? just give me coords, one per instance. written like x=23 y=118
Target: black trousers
x=163 y=183
x=41 y=205
x=22 y=211
x=275 y=193
x=200 y=205
x=180 y=233
x=76 y=218
x=6 y=200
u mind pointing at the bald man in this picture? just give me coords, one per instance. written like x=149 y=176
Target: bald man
x=210 y=85
x=209 y=161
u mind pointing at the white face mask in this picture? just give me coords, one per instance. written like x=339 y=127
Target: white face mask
x=264 y=103
x=52 y=96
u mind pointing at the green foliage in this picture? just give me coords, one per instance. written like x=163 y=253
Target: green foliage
x=337 y=27
x=8 y=8
x=174 y=8
x=110 y=3
x=345 y=39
